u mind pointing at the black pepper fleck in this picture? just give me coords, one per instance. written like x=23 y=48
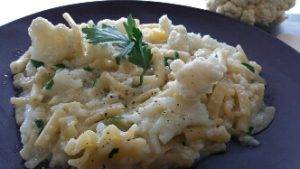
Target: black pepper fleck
x=113 y=152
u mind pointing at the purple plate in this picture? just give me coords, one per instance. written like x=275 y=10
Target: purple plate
x=279 y=147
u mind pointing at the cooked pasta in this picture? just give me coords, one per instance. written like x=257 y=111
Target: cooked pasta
x=82 y=105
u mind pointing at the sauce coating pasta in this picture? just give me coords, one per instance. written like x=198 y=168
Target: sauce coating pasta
x=82 y=107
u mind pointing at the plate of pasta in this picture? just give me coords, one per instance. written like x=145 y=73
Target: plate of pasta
x=127 y=85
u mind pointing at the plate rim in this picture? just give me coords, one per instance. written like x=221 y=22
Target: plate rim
x=254 y=29
x=148 y=2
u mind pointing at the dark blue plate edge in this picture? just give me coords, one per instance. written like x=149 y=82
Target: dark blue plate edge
x=70 y=6
x=149 y=3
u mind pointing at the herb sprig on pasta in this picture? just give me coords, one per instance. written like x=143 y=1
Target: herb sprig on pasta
x=131 y=46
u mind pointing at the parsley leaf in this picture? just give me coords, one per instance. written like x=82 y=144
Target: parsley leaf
x=60 y=66
x=129 y=26
x=250 y=130
x=113 y=152
x=131 y=45
x=94 y=82
x=104 y=34
x=43 y=165
x=176 y=56
x=39 y=124
x=141 y=54
x=117 y=121
x=36 y=63
x=49 y=84
x=113 y=120
x=124 y=52
x=88 y=68
x=251 y=68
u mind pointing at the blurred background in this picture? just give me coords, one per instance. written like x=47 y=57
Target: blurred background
x=288 y=31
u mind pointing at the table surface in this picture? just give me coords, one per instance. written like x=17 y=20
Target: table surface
x=288 y=31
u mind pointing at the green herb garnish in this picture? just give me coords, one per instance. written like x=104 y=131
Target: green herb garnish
x=60 y=66
x=250 y=130
x=131 y=46
x=176 y=56
x=113 y=152
x=94 y=82
x=88 y=68
x=251 y=68
x=104 y=34
x=49 y=84
x=36 y=63
x=43 y=165
x=124 y=52
x=116 y=120
x=39 y=124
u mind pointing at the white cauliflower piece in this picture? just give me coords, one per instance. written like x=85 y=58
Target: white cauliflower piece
x=195 y=42
x=53 y=44
x=263 y=12
x=65 y=80
x=165 y=23
x=198 y=76
x=178 y=39
x=172 y=124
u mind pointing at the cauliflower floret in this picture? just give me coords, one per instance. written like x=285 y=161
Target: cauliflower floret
x=230 y=9
x=198 y=76
x=65 y=80
x=262 y=12
x=172 y=120
x=165 y=23
x=178 y=39
x=53 y=44
x=195 y=42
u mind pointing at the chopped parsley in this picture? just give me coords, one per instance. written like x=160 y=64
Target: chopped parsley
x=49 y=84
x=88 y=68
x=39 y=124
x=113 y=152
x=94 y=82
x=251 y=68
x=250 y=130
x=176 y=56
x=36 y=63
x=43 y=165
x=131 y=46
x=116 y=120
x=60 y=66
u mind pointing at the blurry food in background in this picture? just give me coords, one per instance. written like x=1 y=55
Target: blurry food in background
x=262 y=12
